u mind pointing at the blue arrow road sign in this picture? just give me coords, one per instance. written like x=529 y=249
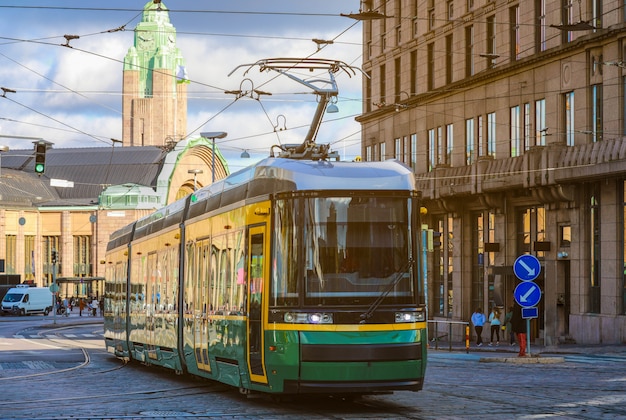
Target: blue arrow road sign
x=526 y=267
x=527 y=294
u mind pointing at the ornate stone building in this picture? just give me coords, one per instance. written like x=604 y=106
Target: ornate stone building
x=154 y=105
x=512 y=115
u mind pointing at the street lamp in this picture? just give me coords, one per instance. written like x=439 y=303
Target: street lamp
x=2 y=149
x=212 y=135
x=195 y=173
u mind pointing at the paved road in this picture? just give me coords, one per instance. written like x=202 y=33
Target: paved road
x=61 y=371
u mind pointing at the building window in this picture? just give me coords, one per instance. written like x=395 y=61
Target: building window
x=406 y=151
x=540 y=30
x=540 y=122
x=470 y=154
x=569 y=118
x=431 y=66
x=438 y=268
x=50 y=243
x=383 y=151
x=368 y=154
x=449 y=58
x=397 y=82
x=479 y=130
x=441 y=147
x=450 y=8
x=514 y=21
x=432 y=150
x=398 y=149
x=413 y=90
x=594 y=248
x=82 y=256
x=491 y=134
x=10 y=259
x=491 y=41
x=368 y=94
x=596 y=10
x=469 y=51
x=29 y=257
x=431 y=15
x=383 y=84
x=413 y=150
x=449 y=236
x=478 y=262
x=515 y=131
x=567 y=18
x=624 y=104
x=449 y=143
x=527 y=129
x=596 y=113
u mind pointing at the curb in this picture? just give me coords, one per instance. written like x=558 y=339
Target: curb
x=532 y=360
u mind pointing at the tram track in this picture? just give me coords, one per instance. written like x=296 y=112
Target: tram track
x=540 y=400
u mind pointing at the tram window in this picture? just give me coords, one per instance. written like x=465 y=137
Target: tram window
x=352 y=249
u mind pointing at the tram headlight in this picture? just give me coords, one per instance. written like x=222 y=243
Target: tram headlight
x=409 y=316
x=308 y=318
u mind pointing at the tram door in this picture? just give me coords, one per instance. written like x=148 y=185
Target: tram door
x=205 y=270
x=256 y=303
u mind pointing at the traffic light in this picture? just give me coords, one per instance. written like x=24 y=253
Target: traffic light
x=40 y=158
x=55 y=256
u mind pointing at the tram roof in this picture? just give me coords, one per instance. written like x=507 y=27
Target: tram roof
x=321 y=175
x=275 y=175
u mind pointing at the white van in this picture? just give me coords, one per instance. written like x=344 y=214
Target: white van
x=23 y=300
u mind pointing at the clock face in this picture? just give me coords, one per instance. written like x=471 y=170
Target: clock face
x=145 y=41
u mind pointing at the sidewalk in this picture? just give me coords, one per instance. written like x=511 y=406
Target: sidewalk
x=74 y=317
x=535 y=350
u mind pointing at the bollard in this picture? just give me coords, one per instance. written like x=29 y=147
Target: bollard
x=467 y=338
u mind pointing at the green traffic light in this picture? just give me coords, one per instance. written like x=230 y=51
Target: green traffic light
x=39 y=168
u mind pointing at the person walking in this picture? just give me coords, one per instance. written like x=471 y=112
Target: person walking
x=478 y=321
x=494 y=322
x=81 y=306
x=518 y=326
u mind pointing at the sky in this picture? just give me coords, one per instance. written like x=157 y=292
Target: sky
x=71 y=95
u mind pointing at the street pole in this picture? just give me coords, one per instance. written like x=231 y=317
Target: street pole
x=212 y=135
x=56 y=291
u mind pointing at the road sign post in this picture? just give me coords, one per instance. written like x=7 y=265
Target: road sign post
x=527 y=294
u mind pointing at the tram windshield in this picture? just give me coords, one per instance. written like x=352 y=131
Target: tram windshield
x=343 y=251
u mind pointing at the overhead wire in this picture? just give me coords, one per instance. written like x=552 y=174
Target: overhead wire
x=121 y=28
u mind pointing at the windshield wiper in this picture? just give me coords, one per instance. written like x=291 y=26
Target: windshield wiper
x=399 y=276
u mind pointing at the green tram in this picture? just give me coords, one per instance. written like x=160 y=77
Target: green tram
x=290 y=276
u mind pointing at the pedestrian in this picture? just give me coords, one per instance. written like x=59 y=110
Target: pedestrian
x=507 y=325
x=494 y=322
x=518 y=326
x=81 y=306
x=478 y=321
x=94 y=306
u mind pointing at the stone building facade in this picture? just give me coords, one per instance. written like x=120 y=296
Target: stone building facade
x=512 y=115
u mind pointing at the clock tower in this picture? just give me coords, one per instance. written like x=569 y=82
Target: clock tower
x=154 y=103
